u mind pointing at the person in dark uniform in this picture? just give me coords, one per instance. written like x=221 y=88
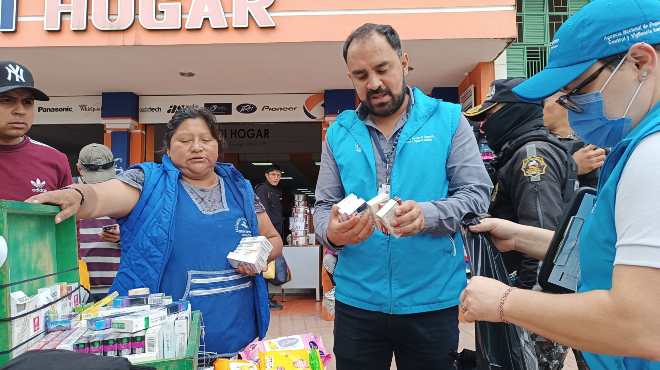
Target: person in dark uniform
x=535 y=179
x=588 y=158
x=271 y=197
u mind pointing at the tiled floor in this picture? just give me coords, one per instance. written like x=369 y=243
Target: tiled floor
x=302 y=315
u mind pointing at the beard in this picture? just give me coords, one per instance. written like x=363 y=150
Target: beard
x=388 y=108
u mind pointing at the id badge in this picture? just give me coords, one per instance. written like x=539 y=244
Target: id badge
x=384 y=189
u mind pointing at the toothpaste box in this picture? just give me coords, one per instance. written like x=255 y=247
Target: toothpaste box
x=99 y=323
x=43 y=341
x=139 y=321
x=387 y=214
x=253 y=251
x=153 y=342
x=75 y=335
x=108 y=311
x=181 y=332
x=376 y=202
x=54 y=342
x=351 y=205
x=29 y=329
x=169 y=338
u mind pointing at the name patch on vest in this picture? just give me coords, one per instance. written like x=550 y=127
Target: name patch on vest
x=420 y=139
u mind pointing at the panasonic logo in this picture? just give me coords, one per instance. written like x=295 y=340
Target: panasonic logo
x=54 y=109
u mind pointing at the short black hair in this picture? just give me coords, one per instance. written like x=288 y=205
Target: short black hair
x=367 y=30
x=189 y=113
x=273 y=167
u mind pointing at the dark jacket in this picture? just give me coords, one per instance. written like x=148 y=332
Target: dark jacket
x=271 y=198
x=535 y=180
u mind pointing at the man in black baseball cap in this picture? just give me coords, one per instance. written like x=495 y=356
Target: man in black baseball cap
x=535 y=178
x=33 y=167
x=17 y=76
x=500 y=92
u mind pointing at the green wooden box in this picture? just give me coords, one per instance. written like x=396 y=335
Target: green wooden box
x=39 y=254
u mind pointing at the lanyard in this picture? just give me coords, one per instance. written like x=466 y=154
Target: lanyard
x=387 y=158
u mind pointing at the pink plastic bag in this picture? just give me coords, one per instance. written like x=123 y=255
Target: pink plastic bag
x=293 y=342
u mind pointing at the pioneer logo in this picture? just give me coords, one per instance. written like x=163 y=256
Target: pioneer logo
x=176 y=108
x=278 y=109
x=54 y=109
x=246 y=108
x=219 y=109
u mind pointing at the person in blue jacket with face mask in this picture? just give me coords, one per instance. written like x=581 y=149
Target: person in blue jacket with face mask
x=179 y=220
x=605 y=60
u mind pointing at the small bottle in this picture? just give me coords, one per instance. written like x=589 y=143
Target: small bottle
x=487 y=153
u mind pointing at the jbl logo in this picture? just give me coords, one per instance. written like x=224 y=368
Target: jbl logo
x=8 y=15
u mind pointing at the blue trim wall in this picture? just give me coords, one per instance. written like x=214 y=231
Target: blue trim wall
x=120 y=148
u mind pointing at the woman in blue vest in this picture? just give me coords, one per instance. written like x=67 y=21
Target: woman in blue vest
x=179 y=221
x=606 y=61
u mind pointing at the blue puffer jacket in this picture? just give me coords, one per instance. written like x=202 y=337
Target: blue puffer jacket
x=146 y=242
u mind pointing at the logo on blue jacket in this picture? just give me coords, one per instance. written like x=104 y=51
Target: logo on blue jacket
x=242 y=227
x=8 y=15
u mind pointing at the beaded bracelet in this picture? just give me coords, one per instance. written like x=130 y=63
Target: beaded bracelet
x=502 y=300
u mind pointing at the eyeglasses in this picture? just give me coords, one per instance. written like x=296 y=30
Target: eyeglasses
x=98 y=167
x=566 y=100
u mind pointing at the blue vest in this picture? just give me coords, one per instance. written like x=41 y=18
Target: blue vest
x=598 y=238
x=410 y=274
x=147 y=238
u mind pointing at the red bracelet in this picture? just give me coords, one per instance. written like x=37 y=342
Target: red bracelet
x=502 y=300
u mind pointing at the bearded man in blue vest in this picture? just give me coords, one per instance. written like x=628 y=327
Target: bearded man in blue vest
x=397 y=295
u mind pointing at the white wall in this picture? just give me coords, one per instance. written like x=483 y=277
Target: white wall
x=500 y=66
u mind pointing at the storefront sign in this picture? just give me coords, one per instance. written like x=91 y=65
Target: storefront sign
x=159 y=109
x=150 y=14
x=265 y=139
x=237 y=108
x=68 y=110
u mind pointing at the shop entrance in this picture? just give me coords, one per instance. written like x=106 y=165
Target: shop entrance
x=61 y=137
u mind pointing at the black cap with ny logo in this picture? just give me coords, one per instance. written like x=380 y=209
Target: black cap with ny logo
x=16 y=76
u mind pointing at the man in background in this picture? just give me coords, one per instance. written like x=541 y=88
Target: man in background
x=99 y=237
x=29 y=167
x=588 y=158
x=271 y=198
